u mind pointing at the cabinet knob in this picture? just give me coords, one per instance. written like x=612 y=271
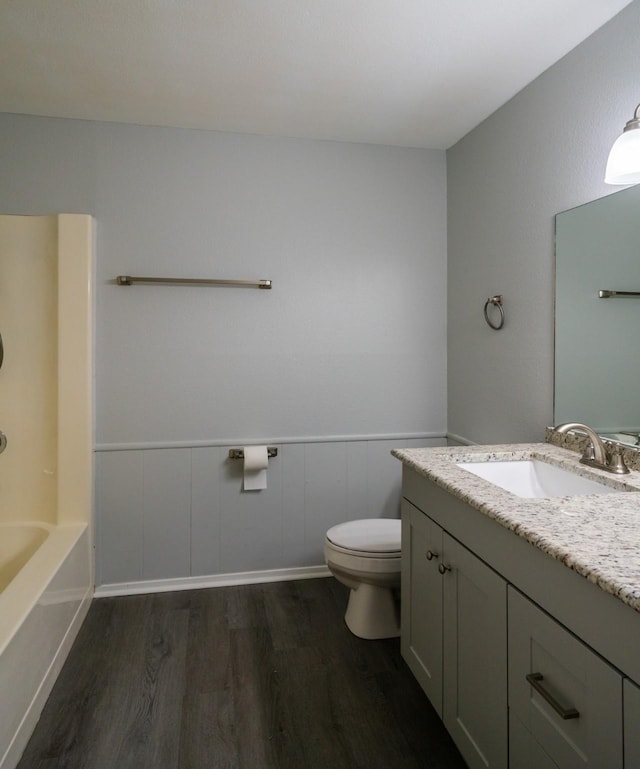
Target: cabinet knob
x=430 y=555
x=443 y=568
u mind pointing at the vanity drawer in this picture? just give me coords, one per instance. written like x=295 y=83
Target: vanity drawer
x=631 y=725
x=524 y=751
x=551 y=671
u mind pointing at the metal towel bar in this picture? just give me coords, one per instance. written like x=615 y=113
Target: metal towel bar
x=605 y=293
x=129 y=280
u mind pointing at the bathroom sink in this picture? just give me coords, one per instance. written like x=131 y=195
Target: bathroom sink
x=533 y=478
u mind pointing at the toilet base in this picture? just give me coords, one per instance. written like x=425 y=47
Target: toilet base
x=373 y=612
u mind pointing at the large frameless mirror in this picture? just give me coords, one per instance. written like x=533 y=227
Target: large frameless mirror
x=597 y=339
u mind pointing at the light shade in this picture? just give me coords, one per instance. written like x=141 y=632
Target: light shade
x=623 y=166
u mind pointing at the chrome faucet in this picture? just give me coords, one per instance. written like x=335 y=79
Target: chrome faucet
x=597 y=454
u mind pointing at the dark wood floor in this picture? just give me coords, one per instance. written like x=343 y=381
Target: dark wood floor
x=252 y=677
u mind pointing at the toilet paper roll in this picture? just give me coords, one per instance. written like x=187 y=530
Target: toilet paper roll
x=255 y=468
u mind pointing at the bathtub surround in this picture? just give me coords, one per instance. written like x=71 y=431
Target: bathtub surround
x=46 y=384
x=29 y=375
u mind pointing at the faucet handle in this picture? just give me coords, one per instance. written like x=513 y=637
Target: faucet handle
x=615 y=460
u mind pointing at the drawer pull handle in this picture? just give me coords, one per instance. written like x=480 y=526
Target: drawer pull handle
x=442 y=568
x=536 y=679
x=430 y=555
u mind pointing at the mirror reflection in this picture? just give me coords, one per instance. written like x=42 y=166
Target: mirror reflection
x=597 y=344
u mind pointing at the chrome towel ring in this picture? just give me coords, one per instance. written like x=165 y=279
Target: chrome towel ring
x=496 y=301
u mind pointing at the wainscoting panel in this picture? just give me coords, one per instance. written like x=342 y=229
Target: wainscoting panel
x=206 y=509
x=325 y=502
x=294 y=552
x=384 y=478
x=119 y=505
x=178 y=512
x=357 y=462
x=166 y=545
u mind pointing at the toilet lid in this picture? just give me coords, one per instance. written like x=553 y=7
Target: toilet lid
x=372 y=535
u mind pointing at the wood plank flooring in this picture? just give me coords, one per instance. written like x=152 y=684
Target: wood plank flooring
x=252 y=677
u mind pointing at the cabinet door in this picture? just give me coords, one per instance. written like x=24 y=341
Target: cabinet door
x=631 y=725
x=573 y=706
x=475 y=654
x=421 y=632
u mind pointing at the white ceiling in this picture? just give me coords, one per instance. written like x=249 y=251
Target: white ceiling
x=418 y=73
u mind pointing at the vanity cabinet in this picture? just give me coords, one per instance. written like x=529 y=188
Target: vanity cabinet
x=631 y=700
x=454 y=637
x=565 y=696
x=482 y=609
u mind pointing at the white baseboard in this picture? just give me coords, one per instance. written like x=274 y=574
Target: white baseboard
x=30 y=719
x=210 y=580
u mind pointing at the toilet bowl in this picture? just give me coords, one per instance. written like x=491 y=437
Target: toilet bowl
x=364 y=555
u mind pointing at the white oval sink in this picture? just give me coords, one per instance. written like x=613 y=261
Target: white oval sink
x=532 y=478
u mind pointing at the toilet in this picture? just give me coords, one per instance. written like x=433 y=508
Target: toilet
x=364 y=555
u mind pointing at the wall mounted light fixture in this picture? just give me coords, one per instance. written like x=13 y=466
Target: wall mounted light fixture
x=623 y=166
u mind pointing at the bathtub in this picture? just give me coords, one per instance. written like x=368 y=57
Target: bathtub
x=18 y=542
x=41 y=610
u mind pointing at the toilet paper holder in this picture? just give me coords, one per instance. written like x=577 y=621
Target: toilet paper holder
x=272 y=451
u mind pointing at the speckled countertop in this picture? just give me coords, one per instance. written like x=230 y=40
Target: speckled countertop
x=598 y=536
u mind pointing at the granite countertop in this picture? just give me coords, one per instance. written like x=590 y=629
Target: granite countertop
x=598 y=536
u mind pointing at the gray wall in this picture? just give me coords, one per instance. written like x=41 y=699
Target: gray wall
x=348 y=349
x=543 y=152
